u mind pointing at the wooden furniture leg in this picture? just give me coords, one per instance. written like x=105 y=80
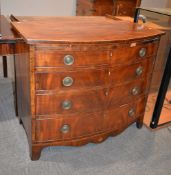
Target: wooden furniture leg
x=15 y=88
x=35 y=152
x=139 y=123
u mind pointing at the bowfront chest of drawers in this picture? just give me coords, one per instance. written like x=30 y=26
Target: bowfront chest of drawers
x=81 y=83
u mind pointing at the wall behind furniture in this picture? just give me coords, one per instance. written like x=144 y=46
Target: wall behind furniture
x=156 y=3
x=38 y=7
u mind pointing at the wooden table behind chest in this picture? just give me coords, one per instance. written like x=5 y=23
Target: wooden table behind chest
x=103 y=7
x=81 y=92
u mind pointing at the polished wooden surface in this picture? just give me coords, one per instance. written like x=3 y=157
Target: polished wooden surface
x=80 y=30
x=158 y=23
x=55 y=58
x=103 y=7
x=111 y=74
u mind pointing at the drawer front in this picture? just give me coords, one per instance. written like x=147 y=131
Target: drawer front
x=129 y=55
x=125 y=74
x=127 y=93
x=71 y=102
x=77 y=126
x=124 y=115
x=66 y=102
x=86 y=78
x=51 y=58
x=89 y=78
x=68 y=127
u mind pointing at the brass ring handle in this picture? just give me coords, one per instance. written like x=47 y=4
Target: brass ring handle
x=131 y=112
x=65 y=129
x=68 y=81
x=67 y=105
x=139 y=71
x=135 y=91
x=142 y=52
x=68 y=60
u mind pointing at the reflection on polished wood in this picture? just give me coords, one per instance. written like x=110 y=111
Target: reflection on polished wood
x=65 y=27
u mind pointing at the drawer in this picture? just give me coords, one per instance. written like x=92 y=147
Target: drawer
x=68 y=127
x=127 y=93
x=52 y=58
x=127 y=54
x=71 y=102
x=85 y=78
x=82 y=125
x=125 y=74
x=124 y=115
x=88 y=78
x=90 y=100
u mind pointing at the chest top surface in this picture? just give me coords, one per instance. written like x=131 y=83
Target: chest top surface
x=80 y=30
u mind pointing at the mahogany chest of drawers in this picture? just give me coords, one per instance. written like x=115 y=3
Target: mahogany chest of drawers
x=103 y=7
x=83 y=82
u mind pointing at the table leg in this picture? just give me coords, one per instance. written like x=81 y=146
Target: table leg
x=5 y=68
x=15 y=85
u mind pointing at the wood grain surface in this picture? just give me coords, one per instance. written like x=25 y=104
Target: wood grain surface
x=81 y=30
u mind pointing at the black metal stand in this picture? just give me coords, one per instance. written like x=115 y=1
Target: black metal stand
x=15 y=82
x=5 y=69
x=137 y=13
x=162 y=93
x=163 y=87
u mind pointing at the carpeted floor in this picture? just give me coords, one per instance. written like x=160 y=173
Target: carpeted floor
x=134 y=152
